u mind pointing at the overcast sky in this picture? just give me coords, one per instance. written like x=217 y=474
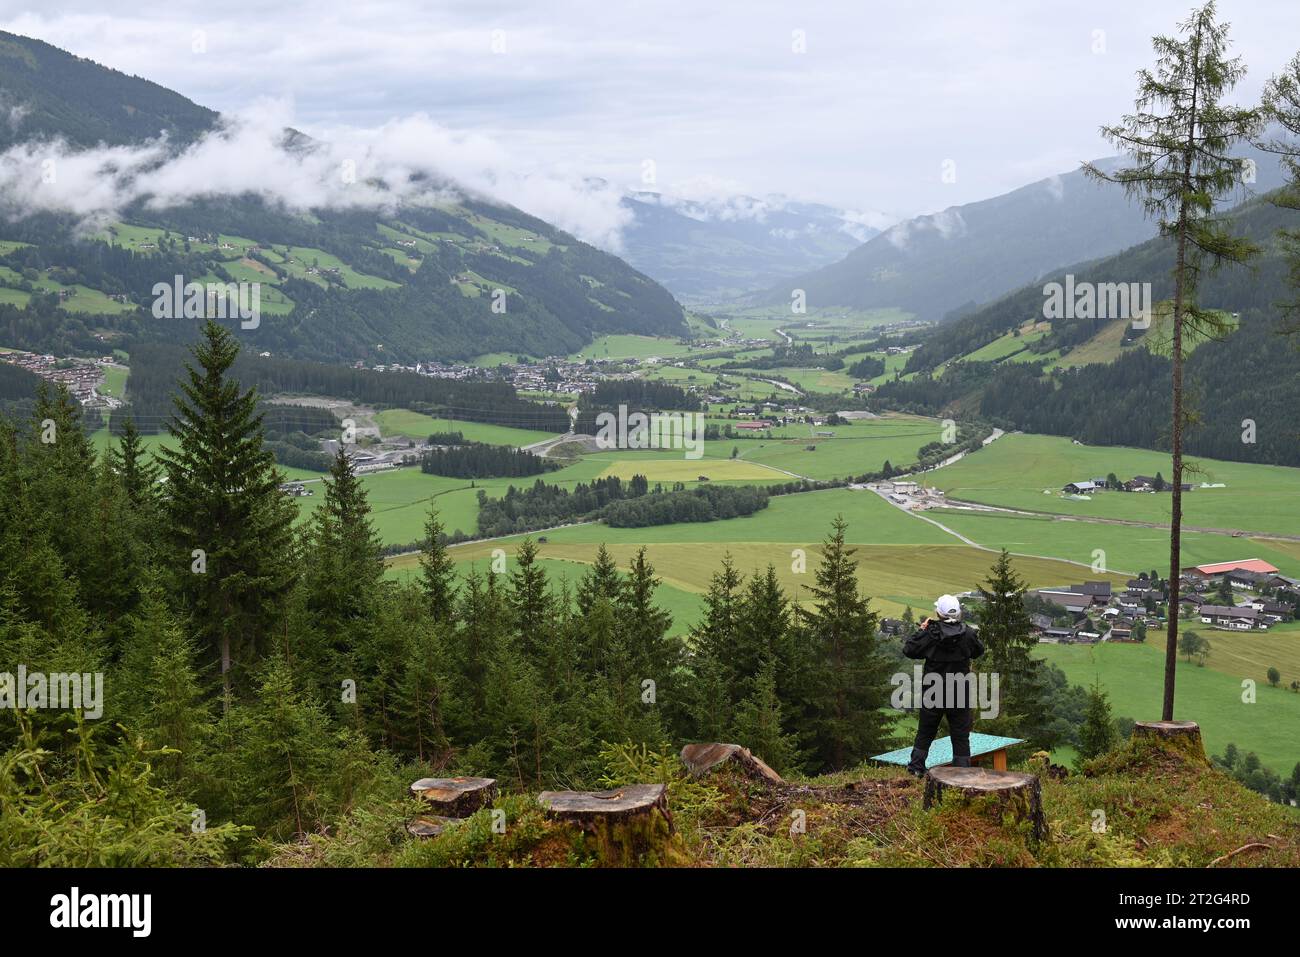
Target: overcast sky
x=855 y=104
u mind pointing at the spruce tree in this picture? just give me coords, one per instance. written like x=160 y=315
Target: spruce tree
x=1180 y=140
x=158 y=693
x=713 y=644
x=136 y=467
x=602 y=580
x=760 y=723
x=847 y=688
x=1007 y=632
x=344 y=576
x=229 y=527
x=437 y=570
x=1097 y=736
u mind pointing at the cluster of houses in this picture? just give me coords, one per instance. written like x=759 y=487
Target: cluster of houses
x=1138 y=483
x=1256 y=612
x=1100 y=612
x=81 y=377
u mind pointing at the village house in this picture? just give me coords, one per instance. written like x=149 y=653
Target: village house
x=1272 y=610
x=1215 y=570
x=1080 y=488
x=1241 y=618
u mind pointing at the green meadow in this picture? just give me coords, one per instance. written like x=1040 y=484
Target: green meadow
x=1028 y=471
x=415 y=425
x=1133 y=676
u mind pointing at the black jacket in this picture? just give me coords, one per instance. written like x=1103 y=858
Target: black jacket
x=946 y=648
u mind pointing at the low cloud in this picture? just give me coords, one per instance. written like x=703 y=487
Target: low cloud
x=412 y=160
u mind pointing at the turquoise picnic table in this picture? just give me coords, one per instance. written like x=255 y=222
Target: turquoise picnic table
x=992 y=746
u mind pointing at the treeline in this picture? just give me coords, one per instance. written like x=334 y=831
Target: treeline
x=637 y=395
x=704 y=503
x=868 y=367
x=628 y=504
x=800 y=355
x=483 y=461
x=155 y=368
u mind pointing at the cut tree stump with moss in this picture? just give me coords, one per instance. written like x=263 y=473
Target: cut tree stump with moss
x=1181 y=736
x=1022 y=794
x=621 y=821
x=456 y=797
x=702 y=758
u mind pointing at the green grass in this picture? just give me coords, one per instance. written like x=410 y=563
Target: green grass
x=1133 y=677
x=1028 y=472
x=418 y=426
x=1126 y=547
x=859 y=447
x=1006 y=346
x=114 y=383
x=624 y=346
x=1251 y=654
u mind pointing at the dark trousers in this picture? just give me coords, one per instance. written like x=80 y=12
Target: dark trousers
x=960 y=721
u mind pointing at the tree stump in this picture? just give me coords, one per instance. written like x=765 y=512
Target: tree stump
x=702 y=758
x=1022 y=794
x=615 y=806
x=1181 y=736
x=456 y=797
x=428 y=825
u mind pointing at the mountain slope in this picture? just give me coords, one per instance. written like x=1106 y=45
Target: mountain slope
x=1250 y=374
x=47 y=93
x=708 y=252
x=446 y=275
x=967 y=255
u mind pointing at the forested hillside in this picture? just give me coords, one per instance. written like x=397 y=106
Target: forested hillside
x=447 y=275
x=1250 y=374
x=45 y=93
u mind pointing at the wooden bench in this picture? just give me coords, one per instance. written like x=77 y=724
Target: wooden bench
x=991 y=748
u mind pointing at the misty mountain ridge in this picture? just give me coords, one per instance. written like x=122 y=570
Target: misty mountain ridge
x=711 y=250
x=947 y=263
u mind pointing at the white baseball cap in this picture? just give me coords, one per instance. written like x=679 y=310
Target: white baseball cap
x=948 y=607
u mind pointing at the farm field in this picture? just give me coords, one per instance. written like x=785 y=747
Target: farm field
x=1251 y=654
x=857 y=447
x=623 y=346
x=1129 y=548
x=1132 y=675
x=1006 y=346
x=1014 y=472
x=416 y=425
x=678 y=469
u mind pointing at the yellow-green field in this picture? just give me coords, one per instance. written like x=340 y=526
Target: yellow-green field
x=691 y=470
